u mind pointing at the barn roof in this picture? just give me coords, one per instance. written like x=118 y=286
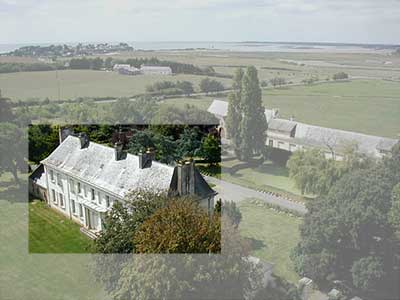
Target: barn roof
x=339 y=139
x=220 y=108
x=281 y=125
x=96 y=165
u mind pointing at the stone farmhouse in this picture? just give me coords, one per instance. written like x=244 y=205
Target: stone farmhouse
x=291 y=135
x=126 y=69
x=82 y=179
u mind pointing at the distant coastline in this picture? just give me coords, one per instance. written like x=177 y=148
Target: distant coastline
x=243 y=46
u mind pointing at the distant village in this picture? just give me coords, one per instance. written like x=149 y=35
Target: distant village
x=69 y=50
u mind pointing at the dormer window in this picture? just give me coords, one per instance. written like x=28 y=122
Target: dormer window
x=92 y=193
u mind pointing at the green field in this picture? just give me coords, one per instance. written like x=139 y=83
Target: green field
x=50 y=232
x=365 y=106
x=37 y=276
x=273 y=236
x=82 y=83
x=268 y=176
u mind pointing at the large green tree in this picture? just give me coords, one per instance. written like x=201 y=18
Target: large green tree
x=246 y=114
x=12 y=158
x=347 y=234
x=180 y=227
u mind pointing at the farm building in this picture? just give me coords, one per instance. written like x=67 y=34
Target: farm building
x=291 y=135
x=155 y=70
x=83 y=179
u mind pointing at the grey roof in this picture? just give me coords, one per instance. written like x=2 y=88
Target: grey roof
x=281 y=125
x=338 y=139
x=38 y=176
x=220 y=108
x=96 y=165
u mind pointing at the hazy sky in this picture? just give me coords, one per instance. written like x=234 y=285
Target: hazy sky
x=364 y=21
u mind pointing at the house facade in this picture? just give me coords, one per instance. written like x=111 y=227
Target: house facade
x=83 y=179
x=290 y=135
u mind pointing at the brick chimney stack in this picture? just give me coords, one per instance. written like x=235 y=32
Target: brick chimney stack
x=186 y=182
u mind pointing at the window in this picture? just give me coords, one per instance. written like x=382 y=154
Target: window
x=108 y=201
x=72 y=185
x=80 y=210
x=73 y=207
x=53 y=195
x=79 y=188
x=61 y=200
x=85 y=191
x=92 y=192
x=98 y=194
x=271 y=143
x=52 y=175
x=59 y=179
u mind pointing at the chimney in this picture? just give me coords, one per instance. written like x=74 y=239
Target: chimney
x=118 y=150
x=145 y=159
x=84 y=139
x=186 y=178
x=63 y=133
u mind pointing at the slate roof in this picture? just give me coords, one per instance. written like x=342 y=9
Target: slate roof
x=316 y=136
x=38 y=176
x=322 y=136
x=96 y=165
x=281 y=125
x=220 y=108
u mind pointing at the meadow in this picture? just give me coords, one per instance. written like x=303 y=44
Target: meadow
x=365 y=106
x=83 y=83
x=272 y=234
x=36 y=276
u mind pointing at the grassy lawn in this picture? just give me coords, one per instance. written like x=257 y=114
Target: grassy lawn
x=268 y=176
x=82 y=83
x=37 y=276
x=273 y=236
x=50 y=232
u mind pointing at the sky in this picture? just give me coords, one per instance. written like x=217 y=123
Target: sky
x=53 y=21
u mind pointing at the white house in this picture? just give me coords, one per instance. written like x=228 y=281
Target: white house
x=291 y=135
x=219 y=109
x=155 y=70
x=83 y=179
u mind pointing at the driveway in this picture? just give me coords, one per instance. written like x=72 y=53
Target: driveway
x=232 y=192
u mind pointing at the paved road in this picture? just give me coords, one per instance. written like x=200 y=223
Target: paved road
x=233 y=192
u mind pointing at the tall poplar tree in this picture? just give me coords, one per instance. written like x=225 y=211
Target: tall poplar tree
x=246 y=120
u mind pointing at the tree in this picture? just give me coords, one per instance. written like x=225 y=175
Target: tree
x=121 y=222
x=229 y=275
x=141 y=140
x=367 y=272
x=253 y=122
x=231 y=211
x=12 y=157
x=394 y=213
x=108 y=63
x=208 y=85
x=347 y=233
x=180 y=227
x=340 y=76
x=189 y=142
x=186 y=87
x=43 y=139
x=234 y=117
x=166 y=148
x=211 y=149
